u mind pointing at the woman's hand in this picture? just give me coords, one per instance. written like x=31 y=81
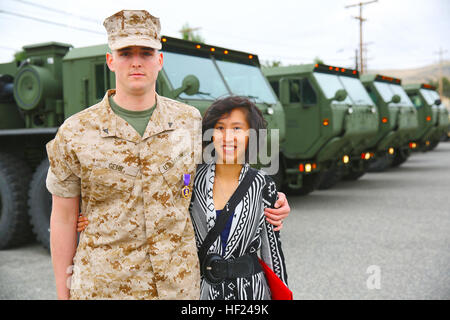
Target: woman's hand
x=82 y=223
x=276 y=216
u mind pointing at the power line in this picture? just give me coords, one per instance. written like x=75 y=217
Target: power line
x=49 y=22
x=92 y=31
x=57 y=11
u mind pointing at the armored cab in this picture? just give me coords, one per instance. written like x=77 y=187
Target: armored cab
x=57 y=81
x=330 y=119
x=397 y=121
x=431 y=114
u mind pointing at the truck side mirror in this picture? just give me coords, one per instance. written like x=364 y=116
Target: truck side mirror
x=438 y=102
x=340 y=95
x=190 y=86
x=395 y=99
x=284 y=91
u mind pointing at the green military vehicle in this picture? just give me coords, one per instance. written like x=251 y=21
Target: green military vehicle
x=446 y=136
x=57 y=81
x=330 y=118
x=432 y=116
x=442 y=125
x=397 y=119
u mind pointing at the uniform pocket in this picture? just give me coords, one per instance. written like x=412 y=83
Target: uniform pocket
x=112 y=179
x=108 y=185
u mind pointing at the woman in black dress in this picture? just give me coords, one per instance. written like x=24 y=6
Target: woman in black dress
x=246 y=231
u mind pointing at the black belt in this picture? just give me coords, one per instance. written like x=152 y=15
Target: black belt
x=215 y=269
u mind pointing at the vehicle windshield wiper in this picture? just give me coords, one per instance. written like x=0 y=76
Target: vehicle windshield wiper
x=260 y=100
x=207 y=94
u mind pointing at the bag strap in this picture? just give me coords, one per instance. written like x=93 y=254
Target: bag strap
x=226 y=213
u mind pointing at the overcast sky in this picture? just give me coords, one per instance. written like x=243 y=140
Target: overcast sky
x=399 y=33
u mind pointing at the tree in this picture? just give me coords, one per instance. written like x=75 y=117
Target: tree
x=20 y=56
x=445 y=85
x=272 y=63
x=187 y=33
x=318 y=60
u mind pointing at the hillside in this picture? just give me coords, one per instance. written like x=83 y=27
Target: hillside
x=417 y=75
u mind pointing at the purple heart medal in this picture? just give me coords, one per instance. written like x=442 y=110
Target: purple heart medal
x=186 y=191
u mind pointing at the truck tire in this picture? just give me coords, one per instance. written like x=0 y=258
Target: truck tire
x=330 y=178
x=310 y=183
x=278 y=178
x=354 y=175
x=15 y=228
x=400 y=157
x=356 y=171
x=381 y=163
x=433 y=145
x=40 y=204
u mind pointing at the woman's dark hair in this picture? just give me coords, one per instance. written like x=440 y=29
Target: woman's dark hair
x=224 y=106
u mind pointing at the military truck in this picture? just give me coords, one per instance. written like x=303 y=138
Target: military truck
x=432 y=116
x=446 y=136
x=442 y=125
x=329 y=120
x=57 y=81
x=397 y=119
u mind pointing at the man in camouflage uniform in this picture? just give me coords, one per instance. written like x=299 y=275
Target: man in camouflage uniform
x=140 y=241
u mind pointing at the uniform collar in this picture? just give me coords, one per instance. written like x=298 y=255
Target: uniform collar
x=162 y=119
x=114 y=126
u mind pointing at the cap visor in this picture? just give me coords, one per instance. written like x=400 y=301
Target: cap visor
x=135 y=41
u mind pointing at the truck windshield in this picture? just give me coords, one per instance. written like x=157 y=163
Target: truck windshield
x=383 y=89
x=387 y=91
x=242 y=79
x=246 y=80
x=330 y=83
x=177 y=66
x=429 y=96
x=356 y=90
x=436 y=96
x=404 y=99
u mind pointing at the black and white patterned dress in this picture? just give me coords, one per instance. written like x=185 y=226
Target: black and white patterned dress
x=250 y=232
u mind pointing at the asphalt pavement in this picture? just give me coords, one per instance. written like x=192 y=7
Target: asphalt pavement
x=384 y=236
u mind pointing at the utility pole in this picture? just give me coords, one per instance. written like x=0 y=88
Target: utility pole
x=441 y=76
x=366 y=55
x=361 y=20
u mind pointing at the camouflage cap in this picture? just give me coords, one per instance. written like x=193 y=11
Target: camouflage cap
x=133 y=28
